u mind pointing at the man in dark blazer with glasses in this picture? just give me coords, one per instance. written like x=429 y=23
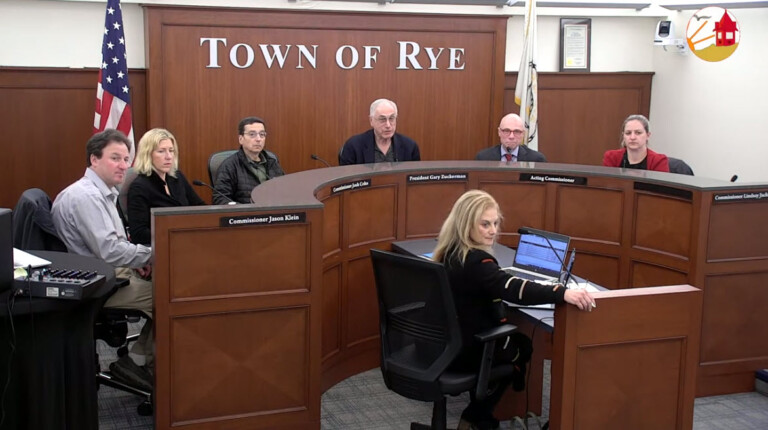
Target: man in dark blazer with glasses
x=511 y=133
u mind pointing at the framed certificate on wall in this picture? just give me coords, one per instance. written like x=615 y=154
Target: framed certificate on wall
x=575 y=41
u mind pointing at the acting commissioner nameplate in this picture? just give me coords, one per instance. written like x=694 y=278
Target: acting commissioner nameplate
x=537 y=177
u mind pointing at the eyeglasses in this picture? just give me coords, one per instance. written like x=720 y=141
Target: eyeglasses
x=507 y=132
x=384 y=119
x=253 y=134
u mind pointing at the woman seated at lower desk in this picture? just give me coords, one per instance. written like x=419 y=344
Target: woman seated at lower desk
x=464 y=246
x=159 y=183
x=634 y=153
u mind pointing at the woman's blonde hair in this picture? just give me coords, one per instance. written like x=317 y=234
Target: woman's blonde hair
x=454 y=240
x=148 y=143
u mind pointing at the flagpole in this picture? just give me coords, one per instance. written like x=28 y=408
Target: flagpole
x=526 y=89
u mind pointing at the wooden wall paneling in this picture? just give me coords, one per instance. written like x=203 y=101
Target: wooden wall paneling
x=597 y=268
x=271 y=269
x=332 y=305
x=251 y=366
x=734 y=305
x=732 y=257
x=663 y=224
x=590 y=213
x=700 y=204
x=634 y=354
x=523 y=204
x=370 y=215
x=655 y=383
x=47 y=118
x=331 y=225
x=644 y=274
x=361 y=305
x=314 y=110
x=427 y=203
x=580 y=114
x=738 y=231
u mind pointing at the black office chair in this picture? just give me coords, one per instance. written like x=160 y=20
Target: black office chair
x=420 y=335
x=679 y=166
x=122 y=198
x=112 y=327
x=215 y=160
x=341 y=151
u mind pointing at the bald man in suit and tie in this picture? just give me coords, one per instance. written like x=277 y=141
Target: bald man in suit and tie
x=511 y=131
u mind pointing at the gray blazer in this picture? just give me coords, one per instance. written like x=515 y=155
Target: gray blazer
x=524 y=153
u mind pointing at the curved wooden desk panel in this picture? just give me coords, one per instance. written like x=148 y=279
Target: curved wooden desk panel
x=237 y=321
x=732 y=232
x=261 y=293
x=199 y=277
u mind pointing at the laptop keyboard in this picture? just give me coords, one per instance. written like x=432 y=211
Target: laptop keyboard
x=528 y=276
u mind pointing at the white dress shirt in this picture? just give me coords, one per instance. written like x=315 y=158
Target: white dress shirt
x=87 y=221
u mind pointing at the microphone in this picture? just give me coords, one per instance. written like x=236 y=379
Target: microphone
x=526 y=230
x=200 y=183
x=734 y=178
x=315 y=157
x=567 y=275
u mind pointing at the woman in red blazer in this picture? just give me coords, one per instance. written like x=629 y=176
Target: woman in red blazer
x=634 y=153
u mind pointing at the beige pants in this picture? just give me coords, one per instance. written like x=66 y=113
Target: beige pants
x=136 y=295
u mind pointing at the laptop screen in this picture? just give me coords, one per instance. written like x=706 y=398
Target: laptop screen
x=535 y=254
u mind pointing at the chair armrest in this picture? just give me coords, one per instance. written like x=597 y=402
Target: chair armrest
x=489 y=338
x=122 y=282
x=496 y=333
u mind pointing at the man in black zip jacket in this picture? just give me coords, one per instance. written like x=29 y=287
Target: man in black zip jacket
x=239 y=174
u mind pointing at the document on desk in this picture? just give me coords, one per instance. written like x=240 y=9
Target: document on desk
x=583 y=286
x=25 y=259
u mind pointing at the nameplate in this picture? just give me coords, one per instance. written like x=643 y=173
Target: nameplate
x=262 y=219
x=437 y=177
x=365 y=183
x=740 y=197
x=570 y=180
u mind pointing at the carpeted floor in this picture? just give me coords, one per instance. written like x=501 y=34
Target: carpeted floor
x=363 y=402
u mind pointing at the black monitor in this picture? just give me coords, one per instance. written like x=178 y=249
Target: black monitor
x=6 y=249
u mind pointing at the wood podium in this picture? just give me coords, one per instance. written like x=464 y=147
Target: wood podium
x=260 y=308
x=631 y=364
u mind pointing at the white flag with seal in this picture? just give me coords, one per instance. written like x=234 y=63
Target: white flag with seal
x=527 y=80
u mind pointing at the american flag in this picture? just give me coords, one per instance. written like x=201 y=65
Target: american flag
x=113 y=99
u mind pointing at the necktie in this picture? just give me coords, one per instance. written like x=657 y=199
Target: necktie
x=508 y=157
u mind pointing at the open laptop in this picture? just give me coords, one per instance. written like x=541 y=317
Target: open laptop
x=536 y=259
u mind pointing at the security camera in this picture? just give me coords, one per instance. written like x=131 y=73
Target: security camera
x=665 y=37
x=665 y=33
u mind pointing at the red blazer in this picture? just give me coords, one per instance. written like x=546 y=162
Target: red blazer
x=654 y=160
